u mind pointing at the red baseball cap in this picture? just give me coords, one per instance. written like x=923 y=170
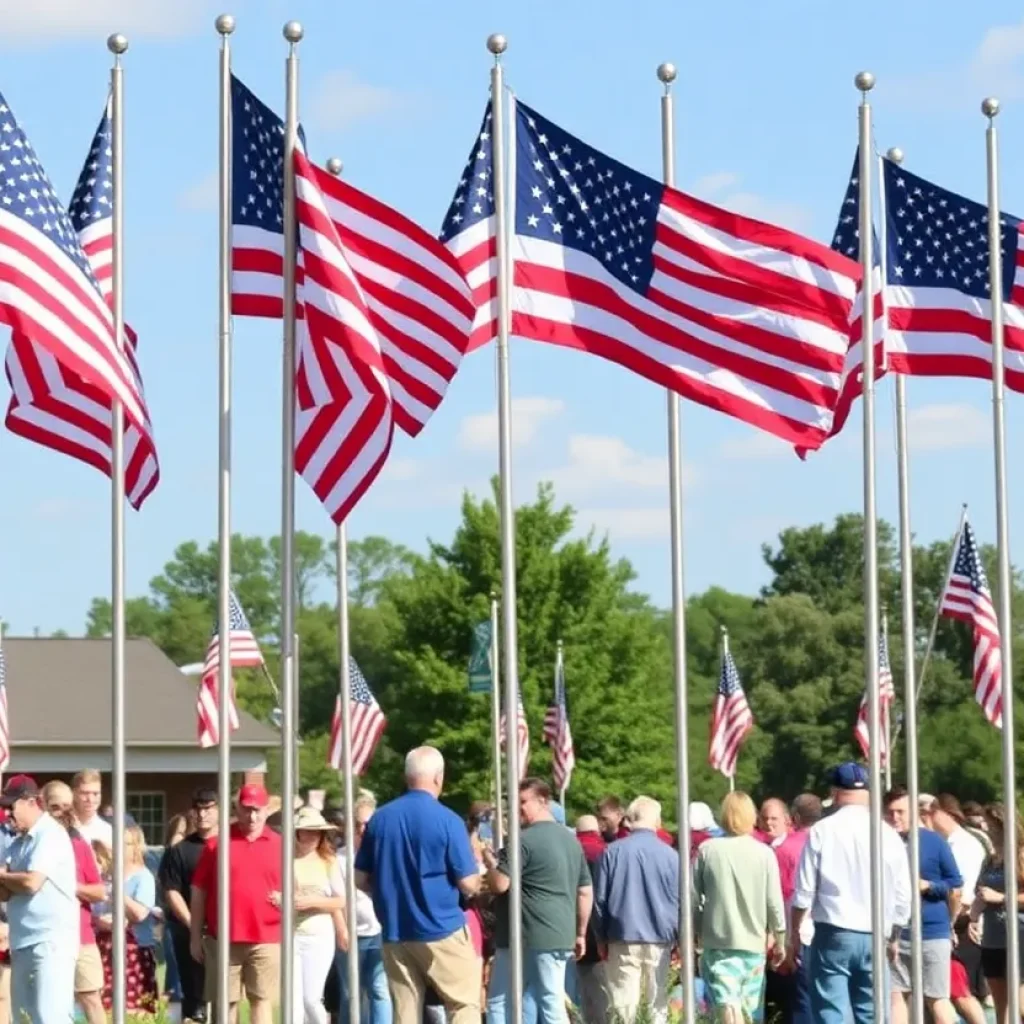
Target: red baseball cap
x=252 y=795
x=19 y=787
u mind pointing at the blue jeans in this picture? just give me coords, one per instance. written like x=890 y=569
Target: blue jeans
x=172 y=982
x=543 y=987
x=801 y=1011
x=43 y=982
x=373 y=982
x=839 y=967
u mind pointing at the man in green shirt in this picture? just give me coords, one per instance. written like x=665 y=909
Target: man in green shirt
x=557 y=895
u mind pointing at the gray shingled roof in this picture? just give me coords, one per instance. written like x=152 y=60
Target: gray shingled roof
x=58 y=692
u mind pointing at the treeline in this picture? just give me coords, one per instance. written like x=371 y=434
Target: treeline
x=798 y=646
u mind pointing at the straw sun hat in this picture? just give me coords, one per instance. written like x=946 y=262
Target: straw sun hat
x=309 y=819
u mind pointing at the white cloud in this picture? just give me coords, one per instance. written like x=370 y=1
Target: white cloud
x=753 y=446
x=340 y=98
x=935 y=428
x=43 y=21
x=721 y=188
x=599 y=463
x=479 y=433
x=203 y=196
x=626 y=524
x=397 y=470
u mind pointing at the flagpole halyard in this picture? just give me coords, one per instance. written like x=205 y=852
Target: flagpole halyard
x=990 y=109
x=117 y=44
x=225 y=25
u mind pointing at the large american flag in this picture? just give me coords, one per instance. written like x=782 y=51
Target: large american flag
x=556 y=730
x=745 y=318
x=886 y=696
x=243 y=652
x=368 y=723
x=5 y=729
x=967 y=597
x=50 y=404
x=731 y=721
x=48 y=291
x=522 y=736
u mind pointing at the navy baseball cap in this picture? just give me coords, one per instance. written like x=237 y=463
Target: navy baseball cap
x=848 y=775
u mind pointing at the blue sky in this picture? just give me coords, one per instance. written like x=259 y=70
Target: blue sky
x=766 y=124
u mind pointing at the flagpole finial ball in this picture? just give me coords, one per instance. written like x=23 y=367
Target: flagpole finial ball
x=334 y=166
x=895 y=155
x=117 y=43
x=990 y=106
x=667 y=73
x=497 y=43
x=225 y=24
x=293 y=32
x=865 y=81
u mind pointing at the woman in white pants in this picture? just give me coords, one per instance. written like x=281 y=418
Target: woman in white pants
x=319 y=913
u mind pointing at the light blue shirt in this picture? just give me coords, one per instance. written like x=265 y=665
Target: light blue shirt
x=51 y=913
x=141 y=887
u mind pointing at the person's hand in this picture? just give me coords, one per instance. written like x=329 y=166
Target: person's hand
x=580 y=948
x=490 y=857
x=991 y=896
x=302 y=903
x=777 y=957
x=602 y=950
x=274 y=898
x=893 y=951
x=923 y=886
x=195 y=947
x=974 y=932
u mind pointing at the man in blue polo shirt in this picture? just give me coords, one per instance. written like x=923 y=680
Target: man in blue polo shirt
x=415 y=860
x=39 y=885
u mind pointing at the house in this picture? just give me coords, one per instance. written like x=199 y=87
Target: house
x=59 y=709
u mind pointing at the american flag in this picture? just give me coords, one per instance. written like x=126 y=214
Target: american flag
x=967 y=597
x=731 y=721
x=522 y=735
x=48 y=291
x=243 y=652
x=886 y=695
x=49 y=404
x=368 y=723
x=5 y=729
x=745 y=318
x=556 y=730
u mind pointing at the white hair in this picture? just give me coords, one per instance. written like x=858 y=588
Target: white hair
x=424 y=763
x=644 y=812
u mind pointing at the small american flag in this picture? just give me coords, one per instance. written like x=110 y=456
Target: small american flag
x=48 y=291
x=243 y=652
x=368 y=723
x=5 y=730
x=886 y=696
x=732 y=719
x=968 y=598
x=745 y=318
x=522 y=735
x=556 y=730
x=59 y=409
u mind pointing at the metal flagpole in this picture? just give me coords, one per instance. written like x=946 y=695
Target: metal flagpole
x=334 y=167
x=499 y=825
x=886 y=724
x=293 y=34
x=225 y=25
x=865 y=82
x=497 y=44
x=990 y=108
x=909 y=657
x=117 y=44
x=667 y=75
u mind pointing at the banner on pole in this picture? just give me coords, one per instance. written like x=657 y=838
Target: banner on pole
x=480 y=668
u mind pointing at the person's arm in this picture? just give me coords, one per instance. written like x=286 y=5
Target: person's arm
x=902 y=894
x=600 y=908
x=697 y=889
x=172 y=882
x=584 y=905
x=364 y=860
x=91 y=888
x=138 y=907
x=498 y=881
x=48 y=851
x=776 y=906
x=325 y=904
x=805 y=887
x=463 y=869
x=201 y=879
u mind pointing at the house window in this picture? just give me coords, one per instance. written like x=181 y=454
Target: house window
x=150 y=813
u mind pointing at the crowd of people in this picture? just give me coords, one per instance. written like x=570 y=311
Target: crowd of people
x=781 y=899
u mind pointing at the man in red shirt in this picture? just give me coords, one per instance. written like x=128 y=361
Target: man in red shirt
x=255 y=939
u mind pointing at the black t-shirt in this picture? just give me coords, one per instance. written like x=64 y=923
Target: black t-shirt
x=177 y=866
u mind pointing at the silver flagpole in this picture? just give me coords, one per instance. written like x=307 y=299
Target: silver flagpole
x=117 y=44
x=990 y=108
x=293 y=34
x=666 y=75
x=865 y=82
x=497 y=44
x=334 y=166
x=886 y=730
x=225 y=25
x=909 y=659
x=499 y=825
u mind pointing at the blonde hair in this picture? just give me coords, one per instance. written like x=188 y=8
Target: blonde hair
x=85 y=776
x=134 y=844
x=56 y=790
x=104 y=858
x=365 y=798
x=738 y=814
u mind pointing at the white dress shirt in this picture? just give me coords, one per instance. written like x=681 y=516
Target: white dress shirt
x=833 y=880
x=969 y=855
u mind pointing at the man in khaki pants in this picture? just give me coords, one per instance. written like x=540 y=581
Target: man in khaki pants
x=415 y=860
